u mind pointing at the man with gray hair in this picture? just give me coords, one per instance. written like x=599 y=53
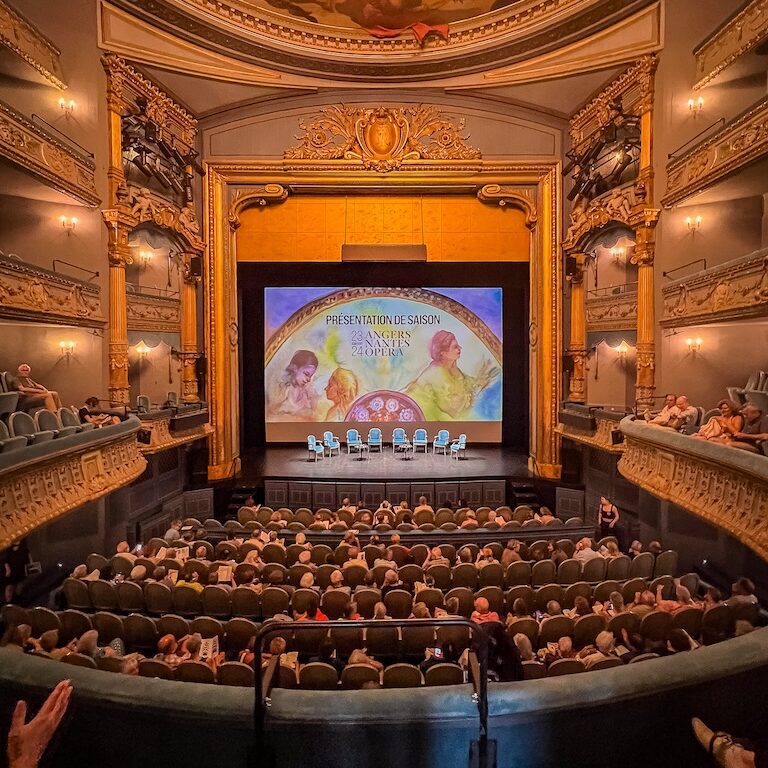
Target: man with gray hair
x=32 y=394
x=605 y=650
x=754 y=431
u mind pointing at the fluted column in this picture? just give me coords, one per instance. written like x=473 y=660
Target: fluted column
x=189 y=353
x=577 y=346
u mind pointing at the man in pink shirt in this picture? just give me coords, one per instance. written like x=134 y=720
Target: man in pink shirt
x=482 y=612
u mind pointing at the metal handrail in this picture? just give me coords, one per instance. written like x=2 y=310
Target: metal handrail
x=613 y=290
x=262 y=691
x=151 y=290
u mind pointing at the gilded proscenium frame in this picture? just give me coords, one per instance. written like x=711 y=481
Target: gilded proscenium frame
x=232 y=186
x=630 y=206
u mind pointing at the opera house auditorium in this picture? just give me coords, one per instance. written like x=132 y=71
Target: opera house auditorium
x=384 y=383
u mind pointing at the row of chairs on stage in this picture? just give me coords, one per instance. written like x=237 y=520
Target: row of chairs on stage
x=400 y=443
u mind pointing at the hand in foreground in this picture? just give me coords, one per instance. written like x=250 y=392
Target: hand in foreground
x=27 y=741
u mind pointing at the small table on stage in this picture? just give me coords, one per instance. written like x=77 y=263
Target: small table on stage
x=405 y=449
x=363 y=451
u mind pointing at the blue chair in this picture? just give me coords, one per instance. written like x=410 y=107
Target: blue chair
x=375 y=439
x=441 y=442
x=399 y=440
x=315 y=447
x=331 y=442
x=420 y=440
x=353 y=441
x=459 y=445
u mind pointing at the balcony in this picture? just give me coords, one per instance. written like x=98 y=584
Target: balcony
x=734 y=290
x=165 y=428
x=612 y=309
x=724 y=486
x=153 y=309
x=595 y=426
x=42 y=482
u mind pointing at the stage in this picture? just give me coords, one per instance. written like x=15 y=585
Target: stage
x=291 y=463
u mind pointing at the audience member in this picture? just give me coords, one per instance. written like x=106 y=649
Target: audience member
x=89 y=415
x=482 y=612
x=721 y=427
x=32 y=394
x=607 y=516
x=664 y=415
x=524 y=648
x=511 y=553
x=754 y=431
x=742 y=593
x=583 y=550
x=605 y=643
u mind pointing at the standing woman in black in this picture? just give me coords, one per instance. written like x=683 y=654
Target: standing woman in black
x=608 y=517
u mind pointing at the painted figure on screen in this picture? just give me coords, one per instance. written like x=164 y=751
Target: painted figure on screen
x=292 y=397
x=341 y=390
x=443 y=390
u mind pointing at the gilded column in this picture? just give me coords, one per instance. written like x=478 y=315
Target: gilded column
x=577 y=346
x=189 y=353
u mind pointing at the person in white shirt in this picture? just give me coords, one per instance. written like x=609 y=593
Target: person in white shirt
x=584 y=552
x=662 y=417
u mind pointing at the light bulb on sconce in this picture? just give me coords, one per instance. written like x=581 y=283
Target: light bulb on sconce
x=695 y=106
x=68 y=223
x=145 y=257
x=67 y=106
x=693 y=223
x=142 y=350
x=622 y=350
x=617 y=254
x=694 y=345
x=67 y=348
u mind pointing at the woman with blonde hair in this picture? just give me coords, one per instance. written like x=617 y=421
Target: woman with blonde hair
x=341 y=390
x=721 y=427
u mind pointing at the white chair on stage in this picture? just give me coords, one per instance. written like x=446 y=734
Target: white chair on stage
x=331 y=443
x=459 y=446
x=375 y=440
x=420 y=440
x=441 y=442
x=315 y=447
x=354 y=443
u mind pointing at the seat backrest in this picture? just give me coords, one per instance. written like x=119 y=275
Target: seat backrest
x=618 y=568
x=235 y=673
x=45 y=419
x=666 y=563
x=328 y=437
x=420 y=434
x=354 y=675
x=20 y=423
x=194 y=672
x=594 y=569
x=317 y=676
x=586 y=629
x=444 y=674
x=398 y=434
x=655 y=625
x=353 y=436
x=143 y=404
x=402 y=676
x=442 y=436
x=374 y=434
x=553 y=628
x=399 y=603
x=564 y=667
x=607 y=663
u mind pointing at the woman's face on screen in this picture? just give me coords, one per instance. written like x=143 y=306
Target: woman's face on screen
x=452 y=352
x=304 y=374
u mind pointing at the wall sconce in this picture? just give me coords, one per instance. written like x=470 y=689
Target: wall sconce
x=622 y=350
x=145 y=257
x=695 y=105
x=69 y=223
x=67 y=106
x=693 y=223
x=694 y=345
x=617 y=254
x=67 y=348
x=142 y=350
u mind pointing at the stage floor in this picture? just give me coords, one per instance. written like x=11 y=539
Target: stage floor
x=290 y=463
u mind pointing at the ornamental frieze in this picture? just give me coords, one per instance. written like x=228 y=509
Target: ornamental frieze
x=141 y=206
x=734 y=290
x=27 y=42
x=612 y=313
x=740 y=34
x=32 y=293
x=735 y=145
x=724 y=487
x=601 y=438
x=382 y=138
x=40 y=154
x=153 y=313
x=161 y=438
x=38 y=492
x=587 y=217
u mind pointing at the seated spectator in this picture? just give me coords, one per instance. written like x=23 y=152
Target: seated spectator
x=160 y=575
x=682 y=414
x=274 y=540
x=359 y=656
x=380 y=611
x=351 y=540
x=519 y=610
x=277 y=647
x=678 y=640
x=403 y=506
x=366 y=517
x=88 y=645
x=441 y=654
x=663 y=416
x=635 y=548
x=612 y=550
x=742 y=593
x=485 y=557
x=435 y=557
x=644 y=603
x=326 y=654
x=337 y=521
x=167 y=651
x=387 y=559
x=305 y=559
x=394 y=540
x=422 y=506
x=276 y=517
x=301 y=540
x=511 y=553
x=315 y=614
x=337 y=582
x=556 y=553
x=470 y=521
x=391 y=581
x=605 y=643
x=350 y=612
x=354 y=559
x=712 y=597
x=682 y=600
x=562 y=649
x=89 y=415
x=420 y=611
x=524 y=648
x=381 y=516
x=320 y=520
x=493 y=520
x=464 y=555
x=16 y=638
x=174 y=531
x=584 y=552
x=124 y=549
x=191 y=579
x=611 y=607
x=553 y=608
x=503 y=656
x=347 y=505
x=138 y=574
x=483 y=613
x=544 y=516
x=32 y=394
x=581 y=607
x=655 y=548
x=723 y=426
x=451 y=610
x=753 y=432
x=369 y=582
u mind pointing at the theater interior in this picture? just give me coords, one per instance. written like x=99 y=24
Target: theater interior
x=237 y=236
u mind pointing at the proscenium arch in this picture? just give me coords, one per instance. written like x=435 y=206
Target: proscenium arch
x=537 y=188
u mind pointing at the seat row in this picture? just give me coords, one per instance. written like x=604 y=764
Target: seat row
x=158 y=599
x=22 y=429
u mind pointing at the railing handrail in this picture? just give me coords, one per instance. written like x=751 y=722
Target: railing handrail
x=166 y=293
x=613 y=288
x=261 y=696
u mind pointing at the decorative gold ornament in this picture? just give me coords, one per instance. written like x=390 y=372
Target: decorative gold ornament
x=161 y=438
x=26 y=41
x=601 y=438
x=507 y=195
x=717 y=483
x=729 y=291
x=612 y=313
x=265 y=194
x=615 y=206
x=741 y=33
x=382 y=138
x=145 y=206
x=153 y=313
x=735 y=145
x=41 y=491
x=37 y=152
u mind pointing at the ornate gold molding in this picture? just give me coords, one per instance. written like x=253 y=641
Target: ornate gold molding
x=153 y=313
x=382 y=138
x=730 y=291
x=40 y=491
x=738 y=143
x=739 y=35
x=612 y=313
x=717 y=483
x=143 y=206
x=124 y=84
x=26 y=41
x=600 y=438
x=506 y=195
x=161 y=438
x=634 y=89
x=47 y=159
x=32 y=293
x=264 y=194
